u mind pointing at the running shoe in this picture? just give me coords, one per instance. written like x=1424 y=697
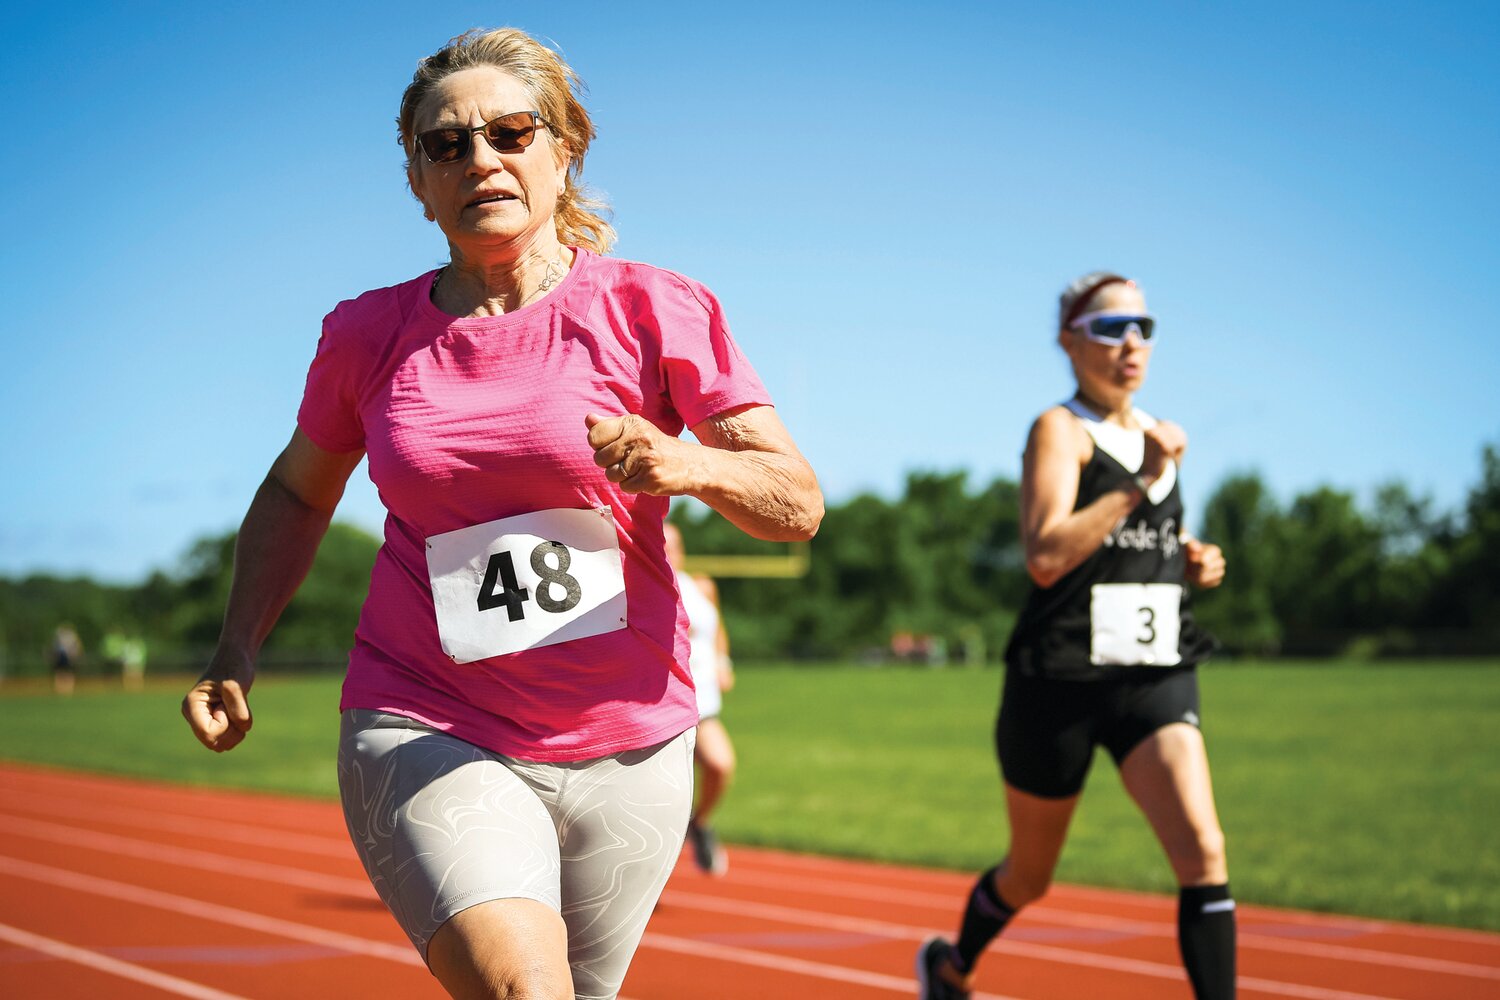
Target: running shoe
x=707 y=852
x=930 y=960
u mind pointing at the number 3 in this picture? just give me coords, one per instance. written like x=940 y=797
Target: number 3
x=1149 y=625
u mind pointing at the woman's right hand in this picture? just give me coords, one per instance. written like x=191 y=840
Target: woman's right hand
x=1166 y=442
x=217 y=708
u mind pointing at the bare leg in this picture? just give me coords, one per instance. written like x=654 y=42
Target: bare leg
x=1167 y=775
x=1038 y=828
x=503 y=949
x=715 y=758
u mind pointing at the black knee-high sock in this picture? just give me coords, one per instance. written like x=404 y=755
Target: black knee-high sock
x=1205 y=933
x=984 y=918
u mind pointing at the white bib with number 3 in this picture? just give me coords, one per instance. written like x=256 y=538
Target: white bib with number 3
x=1135 y=624
x=526 y=581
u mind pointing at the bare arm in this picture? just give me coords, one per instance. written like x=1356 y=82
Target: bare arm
x=1056 y=537
x=274 y=550
x=746 y=468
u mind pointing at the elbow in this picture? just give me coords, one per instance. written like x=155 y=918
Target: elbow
x=811 y=519
x=1043 y=570
x=799 y=521
x=796 y=519
x=811 y=509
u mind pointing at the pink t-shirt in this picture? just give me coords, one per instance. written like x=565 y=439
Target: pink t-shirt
x=471 y=420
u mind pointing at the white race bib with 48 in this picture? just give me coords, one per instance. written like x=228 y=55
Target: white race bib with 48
x=1135 y=624
x=526 y=581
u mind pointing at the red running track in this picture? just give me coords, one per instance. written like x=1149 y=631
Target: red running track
x=121 y=889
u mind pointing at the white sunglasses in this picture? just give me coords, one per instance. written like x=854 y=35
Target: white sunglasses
x=1110 y=327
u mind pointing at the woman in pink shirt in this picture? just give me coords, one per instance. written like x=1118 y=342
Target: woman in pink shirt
x=516 y=750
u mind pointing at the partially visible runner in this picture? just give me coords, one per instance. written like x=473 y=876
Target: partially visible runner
x=65 y=654
x=713 y=674
x=1104 y=651
x=517 y=737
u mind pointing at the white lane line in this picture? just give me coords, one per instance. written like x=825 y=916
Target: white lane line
x=232 y=916
x=112 y=966
x=145 y=819
x=305 y=879
x=225 y=864
x=1109 y=897
x=197 y=908
x=784 y=963
x=1052 y=915
x=222 y=864
x=38 y=782
x=842 y=867
x=1039 y=952
x=274 y=812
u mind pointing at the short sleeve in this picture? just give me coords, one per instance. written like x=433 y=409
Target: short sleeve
x=703 y=370
x=329 y=414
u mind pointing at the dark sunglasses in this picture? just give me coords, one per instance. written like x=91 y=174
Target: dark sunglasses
x=507 y=134
x=1113 y=328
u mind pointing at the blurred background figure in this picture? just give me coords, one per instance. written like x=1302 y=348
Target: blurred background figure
x=127 y=653
x=713 y=674
x=65 y=655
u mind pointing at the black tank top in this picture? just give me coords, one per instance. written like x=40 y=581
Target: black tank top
x=1125 y=608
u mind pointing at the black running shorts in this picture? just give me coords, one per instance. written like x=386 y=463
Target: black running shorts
x=1047 y=729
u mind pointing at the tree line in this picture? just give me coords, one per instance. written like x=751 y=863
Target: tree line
x=936 y=573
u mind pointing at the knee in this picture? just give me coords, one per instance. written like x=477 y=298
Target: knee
x=1200 y=859
x=1018 y=888
x=717 y=761
x=511 y=984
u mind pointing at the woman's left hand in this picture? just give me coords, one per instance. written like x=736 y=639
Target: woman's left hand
x=1205 y=564
x=633 y=452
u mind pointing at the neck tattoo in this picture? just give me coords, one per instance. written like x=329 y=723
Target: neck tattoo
x=556 y=271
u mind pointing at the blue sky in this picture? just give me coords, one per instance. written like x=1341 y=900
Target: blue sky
x=886 y=197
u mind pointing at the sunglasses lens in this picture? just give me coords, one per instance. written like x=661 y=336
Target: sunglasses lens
x=444 y=145
x=511 y=133
x=1114 y=329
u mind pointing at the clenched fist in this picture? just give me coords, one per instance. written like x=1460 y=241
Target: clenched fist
x=633 y=452
x=1205 y=564
x=1165 y=442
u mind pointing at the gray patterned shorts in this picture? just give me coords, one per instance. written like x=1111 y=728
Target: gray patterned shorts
x=441 y=825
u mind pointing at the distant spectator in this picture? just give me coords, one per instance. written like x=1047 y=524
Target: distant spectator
x=133 y=662
x=66 y=654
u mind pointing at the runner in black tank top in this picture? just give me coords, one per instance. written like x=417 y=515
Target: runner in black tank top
x=1124 y=606
x=1104 y=651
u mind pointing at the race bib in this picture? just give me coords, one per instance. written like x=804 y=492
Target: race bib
x=1135 y=624
x=526 y=581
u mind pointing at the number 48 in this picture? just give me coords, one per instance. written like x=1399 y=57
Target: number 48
x=502 y=588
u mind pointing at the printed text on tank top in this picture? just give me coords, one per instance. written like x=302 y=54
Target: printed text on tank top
x=1134 y=624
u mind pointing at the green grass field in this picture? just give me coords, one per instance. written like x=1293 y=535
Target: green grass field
x=1370 y=789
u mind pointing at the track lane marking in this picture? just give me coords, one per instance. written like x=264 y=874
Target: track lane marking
x=145 y=819
x=1069 y=918
x=786 y=963
x=294 y=876
x=112 y=966
x=1067 y=956
x=132 y=788
x=223 y=864
x=402 y=954
x=279 y=873
x=188 y=906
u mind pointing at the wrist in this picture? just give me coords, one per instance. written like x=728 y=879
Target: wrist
x=1142 y=485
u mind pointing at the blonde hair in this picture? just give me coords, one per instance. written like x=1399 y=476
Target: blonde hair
x=554 y=86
